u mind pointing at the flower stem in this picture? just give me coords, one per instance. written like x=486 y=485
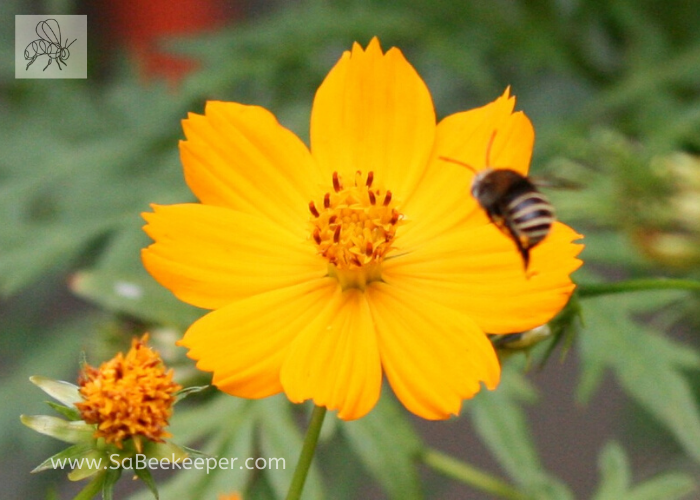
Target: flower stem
x=596 y=289
x=307 y=453
x=467 y=474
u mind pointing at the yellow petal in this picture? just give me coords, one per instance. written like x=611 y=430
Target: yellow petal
x=240 y=157
x=444 y=201
x=209 y=256
x=433 y=357
x=374 y=113
x=466 y=136
x=335 y=359
x=246 y=342
x=480 y=272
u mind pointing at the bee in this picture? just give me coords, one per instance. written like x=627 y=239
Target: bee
x=512 y=203
x=49 y=44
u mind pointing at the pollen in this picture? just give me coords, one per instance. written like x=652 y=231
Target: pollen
x=354 y=228
x=129 y=396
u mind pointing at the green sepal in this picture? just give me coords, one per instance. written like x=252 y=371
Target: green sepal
x=64 y=430
x=70 y=413
x=75 y=452
x=63 y=392
x=111 y=478
x=89 y=459
x=147 y=478
x=166 y=450
x=188 y=391
x=191 y=452
x=92 y=488
x=564 y=327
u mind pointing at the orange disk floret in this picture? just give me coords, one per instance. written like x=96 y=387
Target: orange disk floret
x=129 y=396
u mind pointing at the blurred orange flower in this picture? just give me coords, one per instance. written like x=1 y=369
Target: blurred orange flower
x=129 y=397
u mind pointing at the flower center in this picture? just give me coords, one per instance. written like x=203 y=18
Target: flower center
x=129 y=397
x=353 y=228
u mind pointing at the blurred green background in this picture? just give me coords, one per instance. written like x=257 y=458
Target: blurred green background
x=613 y=90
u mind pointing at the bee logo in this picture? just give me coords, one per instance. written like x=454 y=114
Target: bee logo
x=513 y=203
x=48 y=44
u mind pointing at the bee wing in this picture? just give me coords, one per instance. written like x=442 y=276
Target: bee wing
x=49 y=30
x=556 y=183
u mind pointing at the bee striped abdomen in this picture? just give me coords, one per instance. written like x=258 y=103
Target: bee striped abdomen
x=531 y=217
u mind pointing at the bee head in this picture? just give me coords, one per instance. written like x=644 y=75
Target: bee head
x=482 y=188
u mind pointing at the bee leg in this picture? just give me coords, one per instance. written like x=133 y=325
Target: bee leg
x=524 y=253
x=49 y=64
x=31 y=62
x=520 y=242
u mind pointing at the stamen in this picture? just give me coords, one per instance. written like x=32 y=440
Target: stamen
x=387 y=198
x=354 y=229
x=336 y=182
x=358 y=177
x=312 y=208
x=394 y=217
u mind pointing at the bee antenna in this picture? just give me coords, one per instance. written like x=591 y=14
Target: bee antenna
x=461 y=163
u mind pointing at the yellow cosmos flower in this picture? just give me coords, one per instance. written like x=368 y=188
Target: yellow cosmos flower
x=365 y=255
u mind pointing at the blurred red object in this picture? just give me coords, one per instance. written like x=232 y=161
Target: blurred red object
x=139 y=26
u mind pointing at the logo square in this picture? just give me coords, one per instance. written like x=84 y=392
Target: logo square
x=50 y=46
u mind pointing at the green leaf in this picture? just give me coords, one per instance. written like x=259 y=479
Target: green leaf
x=500 y=422
x=139 y=296
x=671 y=486
x=145 y=476
x=24 y=260
x=280 y=437
x=220 y=411
x=615 y=480
x=388 y=446
x=615 y=473
x=648 y=365
x=240 y=444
